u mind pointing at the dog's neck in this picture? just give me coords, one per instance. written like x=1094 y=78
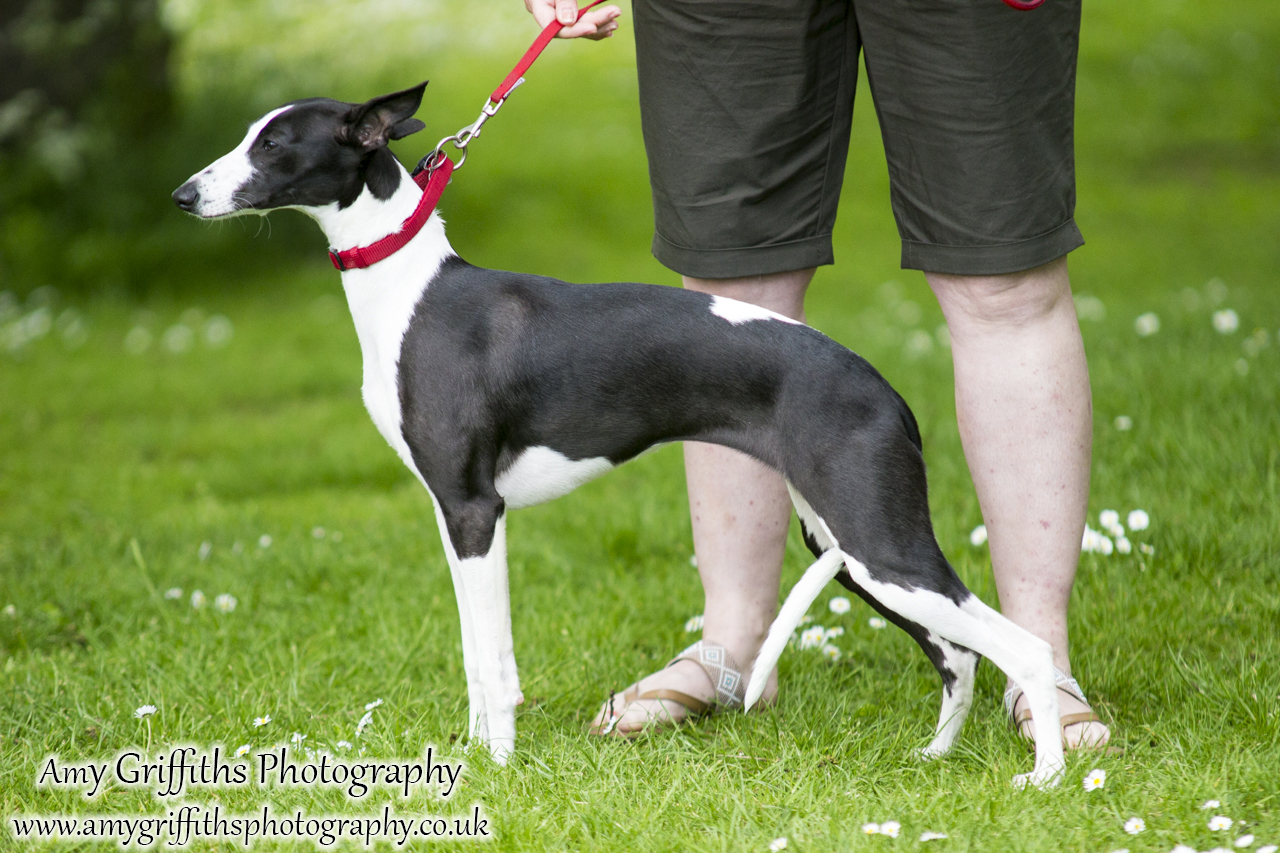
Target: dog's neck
x=369 y=219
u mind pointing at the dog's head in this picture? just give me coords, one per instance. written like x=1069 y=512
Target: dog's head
x=308 y=153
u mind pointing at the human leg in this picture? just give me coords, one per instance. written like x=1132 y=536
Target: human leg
x=1025 y=414
x=740 y=511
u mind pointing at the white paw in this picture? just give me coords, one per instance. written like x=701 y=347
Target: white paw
x=501 y=750
x=932 y=751
x=1042 y=779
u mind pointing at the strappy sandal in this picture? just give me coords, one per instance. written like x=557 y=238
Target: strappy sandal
x=1071 y=687
x=716 y=662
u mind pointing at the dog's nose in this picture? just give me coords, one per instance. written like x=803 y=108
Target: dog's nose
x=186 y=196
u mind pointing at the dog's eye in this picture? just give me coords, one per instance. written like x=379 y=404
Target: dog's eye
x=269 y=145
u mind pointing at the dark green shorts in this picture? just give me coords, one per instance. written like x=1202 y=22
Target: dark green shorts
x=746 y=106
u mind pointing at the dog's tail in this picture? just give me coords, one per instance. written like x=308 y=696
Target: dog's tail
x=793 y=610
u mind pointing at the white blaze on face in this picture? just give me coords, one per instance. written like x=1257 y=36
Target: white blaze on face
x=738 y=313
x=219 y=182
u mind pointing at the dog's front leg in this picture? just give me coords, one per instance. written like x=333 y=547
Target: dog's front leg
x=477 y=722
x=490 y=601
x=477 y=531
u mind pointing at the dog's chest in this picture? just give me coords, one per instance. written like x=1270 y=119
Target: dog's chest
x=382 y=310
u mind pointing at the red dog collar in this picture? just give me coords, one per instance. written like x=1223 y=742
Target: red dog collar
x=432 y=182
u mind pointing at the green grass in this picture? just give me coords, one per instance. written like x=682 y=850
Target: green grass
x=1179 y=162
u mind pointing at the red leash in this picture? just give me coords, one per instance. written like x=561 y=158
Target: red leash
x=434 y=170
x=463 y=138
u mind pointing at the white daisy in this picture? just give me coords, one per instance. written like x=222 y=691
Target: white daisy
x=242 y=751
x=1108 y=518
x=297 y=737
x=265 y=540
x=206 y=548
x=1134 y=825
x=832 y=633
x=364 y=721
x=1123 y=423
x=371 y=705
x=830 y=652
x=1147 y=324
x=1182 y=848
x=1139 y=520
x=1123 y=545
x=1270 y=848
x=839 y=605
x=1220 y=823
x=1094 y=542
x=932 y=836
x=778 y=844
x=225 y=603
x=1226 y=321
x=144 y=711
x=1209 y=804
x=173 y=593
x=871 y=828
x=978 y=536
x=693 y=624
x=812 y=638
x=890 y=828
x=877 y=623
x=693 y=561
x=317 y=533
x=198 y=600
x=1244 y=841
x=343 y=744
x=259 y=722
x=1149 y=550
x=1094 y=779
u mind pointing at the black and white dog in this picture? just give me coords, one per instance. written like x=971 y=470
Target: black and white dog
x=501 y=390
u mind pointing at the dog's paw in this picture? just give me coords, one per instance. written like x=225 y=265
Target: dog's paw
x=932 y=751
x=501 y=750
x=1045 y=780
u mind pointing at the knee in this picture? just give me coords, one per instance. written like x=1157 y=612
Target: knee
x=1013 y=300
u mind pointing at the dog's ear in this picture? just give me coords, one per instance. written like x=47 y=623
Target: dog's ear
x=372 y=124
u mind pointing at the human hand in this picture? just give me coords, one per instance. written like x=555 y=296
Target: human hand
x=597 y=24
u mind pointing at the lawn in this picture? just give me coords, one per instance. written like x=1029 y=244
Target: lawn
x=210 y=436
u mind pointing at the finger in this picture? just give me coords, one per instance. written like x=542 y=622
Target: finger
x=566 y=11
x=596 y=24
x=544 y=11
x=603 y=32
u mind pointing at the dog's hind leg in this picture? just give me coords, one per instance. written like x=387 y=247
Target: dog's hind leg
x=957 y=666
x=972 y=625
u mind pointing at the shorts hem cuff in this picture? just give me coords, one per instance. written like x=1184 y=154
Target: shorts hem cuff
x=999 y=259
x=747 y=261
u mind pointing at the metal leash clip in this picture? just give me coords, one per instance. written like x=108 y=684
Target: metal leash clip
x=463 y=137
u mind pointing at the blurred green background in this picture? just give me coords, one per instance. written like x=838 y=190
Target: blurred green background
x=106 y=106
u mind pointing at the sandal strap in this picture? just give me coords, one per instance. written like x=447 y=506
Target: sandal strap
x=1024 y=716
x=696 y=706
x=1062 y=681
x=721 y=668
